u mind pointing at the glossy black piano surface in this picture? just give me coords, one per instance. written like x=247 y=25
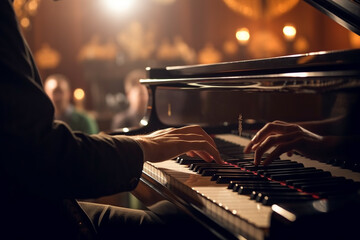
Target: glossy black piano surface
x=239 y=200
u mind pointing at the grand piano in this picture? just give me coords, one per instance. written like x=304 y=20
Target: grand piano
x=294 y=197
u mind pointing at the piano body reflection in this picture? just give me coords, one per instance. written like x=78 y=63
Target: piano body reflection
x=293 y=198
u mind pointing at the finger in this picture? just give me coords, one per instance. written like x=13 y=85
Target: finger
x=248 y=148
x=290 y=153
x=273 y=141
x=280 y=149
x=204 y=155
x=254 y=146
x=194 y=129
x=191 y=154
x=204 y=146
x=161 y=132
x=273 y=128
x=191 y=137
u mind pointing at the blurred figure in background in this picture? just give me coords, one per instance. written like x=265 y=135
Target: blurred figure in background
x=58 y=89
x=137 y=97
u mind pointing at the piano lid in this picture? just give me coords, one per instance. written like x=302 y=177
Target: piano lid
x=344 y=12
x=311 y=72
x=191 y=94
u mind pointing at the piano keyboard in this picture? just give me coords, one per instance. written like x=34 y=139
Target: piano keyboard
x=238 y=198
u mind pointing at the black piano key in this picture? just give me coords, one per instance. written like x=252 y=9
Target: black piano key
x=329 y=180
x=332 y=186
x=249 y=156
x=348 y=164
x=188 y=160
x=273 y=188
x=283 y=177
x=298 y=171
x=273 y=166
x=227 y=179
x=235 y=187
x=337 y=162
x=237 y=161
x=292 y=182
x=259 y=195
x=275 y=162
x=275 y=191
x=338 y=192
x=201 y=169
x=244 y=175
x=195 y=166
x=356 y=167
x=269 y=171
x=222 y=172
x=233 y=183
x=270 y=200
x=295 y=170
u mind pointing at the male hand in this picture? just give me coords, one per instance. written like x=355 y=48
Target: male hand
x=285 y=137
x=169 y=143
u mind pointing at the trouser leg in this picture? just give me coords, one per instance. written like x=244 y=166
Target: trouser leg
x=164 y=221
x=112 y=222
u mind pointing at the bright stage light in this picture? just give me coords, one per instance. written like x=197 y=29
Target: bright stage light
x=117 y=6
x=243 y=36
x=289 y=32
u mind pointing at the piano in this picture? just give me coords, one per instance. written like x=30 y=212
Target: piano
x=294 y=197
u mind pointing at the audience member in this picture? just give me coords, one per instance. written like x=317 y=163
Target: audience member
x=57 y=87
x=137 y=96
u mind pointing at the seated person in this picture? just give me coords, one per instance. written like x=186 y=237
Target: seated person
x=46 y=167
x=57 y=87
x=137 y=97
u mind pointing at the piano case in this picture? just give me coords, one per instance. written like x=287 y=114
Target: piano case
x=263 y=84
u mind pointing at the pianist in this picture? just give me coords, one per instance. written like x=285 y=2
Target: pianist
x=45 y=166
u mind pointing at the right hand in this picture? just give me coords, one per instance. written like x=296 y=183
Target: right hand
x=286 y=137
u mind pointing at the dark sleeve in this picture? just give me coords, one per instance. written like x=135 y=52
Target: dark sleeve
x=41 y=156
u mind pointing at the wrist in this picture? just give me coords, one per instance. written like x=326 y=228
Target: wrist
x=140 y=142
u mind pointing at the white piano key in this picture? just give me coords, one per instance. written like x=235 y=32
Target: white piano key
x=334 y=170
x=243 y=216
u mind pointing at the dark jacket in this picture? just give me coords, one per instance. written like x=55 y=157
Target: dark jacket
x=44 y=165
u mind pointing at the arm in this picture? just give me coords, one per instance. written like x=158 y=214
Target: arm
x=40 y=156
x=329 y=126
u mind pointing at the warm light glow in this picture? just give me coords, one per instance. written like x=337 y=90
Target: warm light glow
x=25 y=9
x=143 y=122
x=32 y=6
x=243 y=36
x=117 y=6
x=289 y=32
x=261 y=9
x=79 y=94
x=25 y=22
x=52 y=83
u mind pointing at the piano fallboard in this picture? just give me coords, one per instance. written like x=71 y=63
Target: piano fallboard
x=235 y=215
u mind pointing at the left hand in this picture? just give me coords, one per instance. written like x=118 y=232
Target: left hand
x=169 y=143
